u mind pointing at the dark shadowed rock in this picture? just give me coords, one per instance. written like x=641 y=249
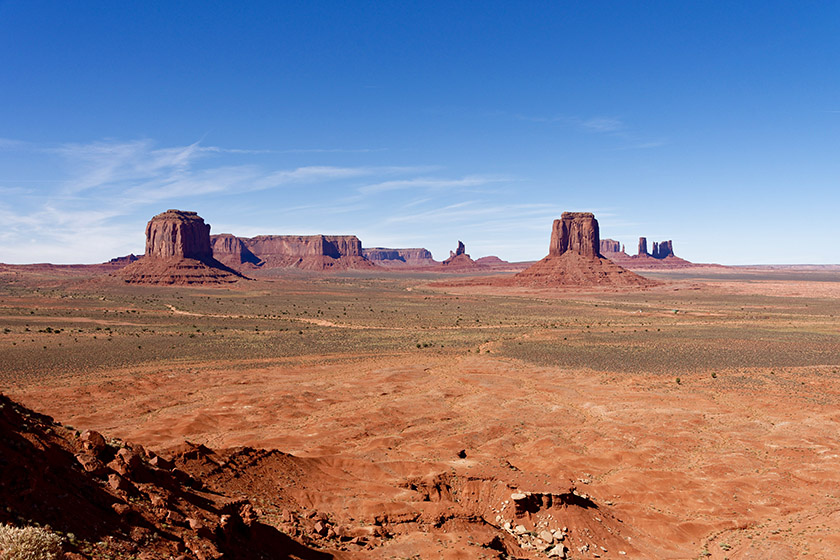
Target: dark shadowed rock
x=232 y=251
x=662 y=249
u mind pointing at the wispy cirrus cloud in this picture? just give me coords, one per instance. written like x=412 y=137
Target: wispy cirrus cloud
x=603 y=124
x=107 y=190
x=598 y=123
x=430 y=183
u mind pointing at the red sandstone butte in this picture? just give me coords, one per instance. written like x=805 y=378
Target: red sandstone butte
x=574 y=258
x=459 y=259
x=178 y=251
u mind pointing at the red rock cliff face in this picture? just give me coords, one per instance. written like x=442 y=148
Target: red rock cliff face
x=388 y=257
x=575 y=232
x=230 y=250
x=178 y=251
x=610 y=246
x=334 y=246
x=662 y=249
x=178 y=234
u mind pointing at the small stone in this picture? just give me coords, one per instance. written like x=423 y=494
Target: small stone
x=93 y=441
x=520 y=530
x=121 y=509
x=157 y=501
x=160 y=463
x=546 y=536
x=117 y=482
x=91 y=464
x=558 y=551
x=130 y=458
x=320 y=528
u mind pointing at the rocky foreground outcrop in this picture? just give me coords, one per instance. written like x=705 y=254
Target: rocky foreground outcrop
x=178 y=251
x=574 y=258
x=107 y=498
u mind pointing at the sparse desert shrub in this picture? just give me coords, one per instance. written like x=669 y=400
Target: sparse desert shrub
x=29 y=543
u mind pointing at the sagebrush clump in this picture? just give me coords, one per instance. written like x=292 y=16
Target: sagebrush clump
x=29 y=543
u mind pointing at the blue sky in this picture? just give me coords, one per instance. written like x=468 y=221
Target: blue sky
x=714 y=124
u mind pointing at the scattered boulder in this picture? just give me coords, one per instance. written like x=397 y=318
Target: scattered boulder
x=399 y=257
x=178 y=251
x=663 y=249
x=307 y=252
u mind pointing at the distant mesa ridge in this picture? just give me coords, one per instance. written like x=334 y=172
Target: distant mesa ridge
x=178 y=251
x=396 y=257
x=661 y=256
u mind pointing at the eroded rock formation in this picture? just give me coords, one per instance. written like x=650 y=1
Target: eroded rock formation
x=232 y=251
x=662 y=249
x=459 y=258
x=574 y=258
x=308 y=252
x=642 y=246
x=610 y=246
x=178 y=251
x=399 y=257
x=575 y=232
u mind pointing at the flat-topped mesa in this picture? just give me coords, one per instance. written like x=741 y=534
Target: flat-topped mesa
x=178 y=251
x=309 y=252
x=232 y=251
x=575 y=232
x=610 y=246
x=662 y=249
x=642 y=246
x=399 y=257
x=177 y=234
x=335 y=246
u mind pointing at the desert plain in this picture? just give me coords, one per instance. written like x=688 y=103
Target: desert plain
x=392 y=415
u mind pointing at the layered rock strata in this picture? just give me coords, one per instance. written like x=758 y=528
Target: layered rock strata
x=178 y=251
x=399 y=257
x=308 y=252
x=574 y=258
